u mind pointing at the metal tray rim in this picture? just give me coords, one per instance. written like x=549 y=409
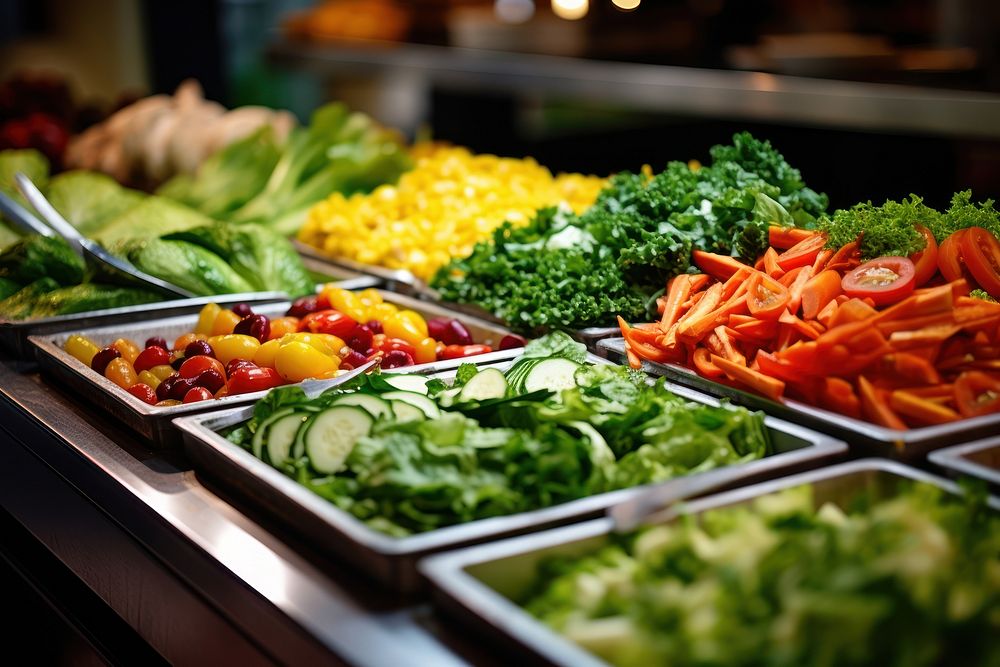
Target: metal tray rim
x=872 y=431
x=954 y=459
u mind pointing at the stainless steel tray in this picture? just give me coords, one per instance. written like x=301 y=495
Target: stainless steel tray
x=910 y=445
x=400 y=281
x=980 y=460
x=478 y=585
x=155 y=422
x=14 y=333
x=393 y=560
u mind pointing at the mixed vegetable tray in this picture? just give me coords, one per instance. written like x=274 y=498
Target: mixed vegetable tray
x=386 y=469
x=147 y=373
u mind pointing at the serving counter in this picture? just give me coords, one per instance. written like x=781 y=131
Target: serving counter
x=197 y=577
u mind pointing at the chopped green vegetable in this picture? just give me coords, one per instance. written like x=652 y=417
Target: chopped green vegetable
x=20 y=305
x=35 y=257
x=90 y=296
x=526 y=450
x=567 y=271
x=186 y=265
x=89 y=200
x=29 y=162
x=963 y=213
x=888 y=229
x=982 y=295
x=904 y=582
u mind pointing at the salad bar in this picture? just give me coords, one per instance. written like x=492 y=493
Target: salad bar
x=424 y=406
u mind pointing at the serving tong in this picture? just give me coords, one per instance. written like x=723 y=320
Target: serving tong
x=89 y=249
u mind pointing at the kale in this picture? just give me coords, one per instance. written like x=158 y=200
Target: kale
x=568 y=271
x=888 y=230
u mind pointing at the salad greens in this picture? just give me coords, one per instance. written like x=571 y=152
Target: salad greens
x=549 y=430
x=906 y=582
x=568 y=271
x=888 y=230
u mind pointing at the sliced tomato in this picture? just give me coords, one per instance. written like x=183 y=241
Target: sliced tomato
x=885 y=280
x=802 y=253
x=766 y=297
x=950 y=258
x=925 y=261
x=981 y=253
x=977 y=393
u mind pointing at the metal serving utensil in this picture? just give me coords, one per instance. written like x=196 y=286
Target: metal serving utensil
x=90 y=249
x=22 y=218
x=660 y=500
x=314 y=388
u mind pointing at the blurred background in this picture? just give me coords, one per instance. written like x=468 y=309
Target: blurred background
x=871 y=99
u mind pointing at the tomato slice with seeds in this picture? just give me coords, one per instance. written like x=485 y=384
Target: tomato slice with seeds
x=977 y=394
x=766 y=297
x=950 y=258
x=981 y=253
x=885 y=280
x=926 y=260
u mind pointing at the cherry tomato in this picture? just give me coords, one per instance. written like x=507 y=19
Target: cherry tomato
x=329 y=322
x=147 y=378
x=926 y=260
x=346 y=302
x=258 y=326
x=242 y=310
x=353 y=360
x=384 y=344
x=298 y=361
x=885 y=280
x=397 y=359
x=195 y=366
x=225 y=322
x=512 y=341
x=182 y=341
x=195 y=394
x=120 y=372
x=206 y=319
x=981 y=253
x=173 y=388
x=198 y=347
x=157 y=341
x=211 y=379
x=462 y=351
x=143 y=392
x=950 y=258
x=375 y=326
x=264 y=356
x=162 y=372
x=283 y=325
x=128 y=349
x=234 y=346
x=151 y=356
x=977 y=393
x=245 y=380
x=81 y=348
x=370 y=297
x=425 y=351
x=360 y=339
x=766 y=297
x=104 y=357
x=305 y=305
x=237 y=364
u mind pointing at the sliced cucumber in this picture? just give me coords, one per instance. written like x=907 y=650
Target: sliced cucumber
x=332 y=434
x=375 y=406
x=281 y=436
x=486 y=384
x=260 y=435
x=419 y=401
x=406 y=412
x=414 y=383
x=552 y=374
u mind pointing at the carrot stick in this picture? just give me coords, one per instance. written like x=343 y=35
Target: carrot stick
x=763 y=384
x=819 y=291
x=924 y=411
x=875 y=408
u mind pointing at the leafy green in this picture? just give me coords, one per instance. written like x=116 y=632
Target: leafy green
x=184 y=264
x=89 y=296
x=151 y=217
x=20 y=304
x=465 y=373
x=229 y=178
x=35 y=257
x=964 y=213
x=907 y=581
x=556 y=344
x=888 y=229
x=982 y=295
x=89 y=200
x=340 y=151
x=263 y=258
x=29 y=162
x=568 y=271
x=522 y=452
x=8 y=287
